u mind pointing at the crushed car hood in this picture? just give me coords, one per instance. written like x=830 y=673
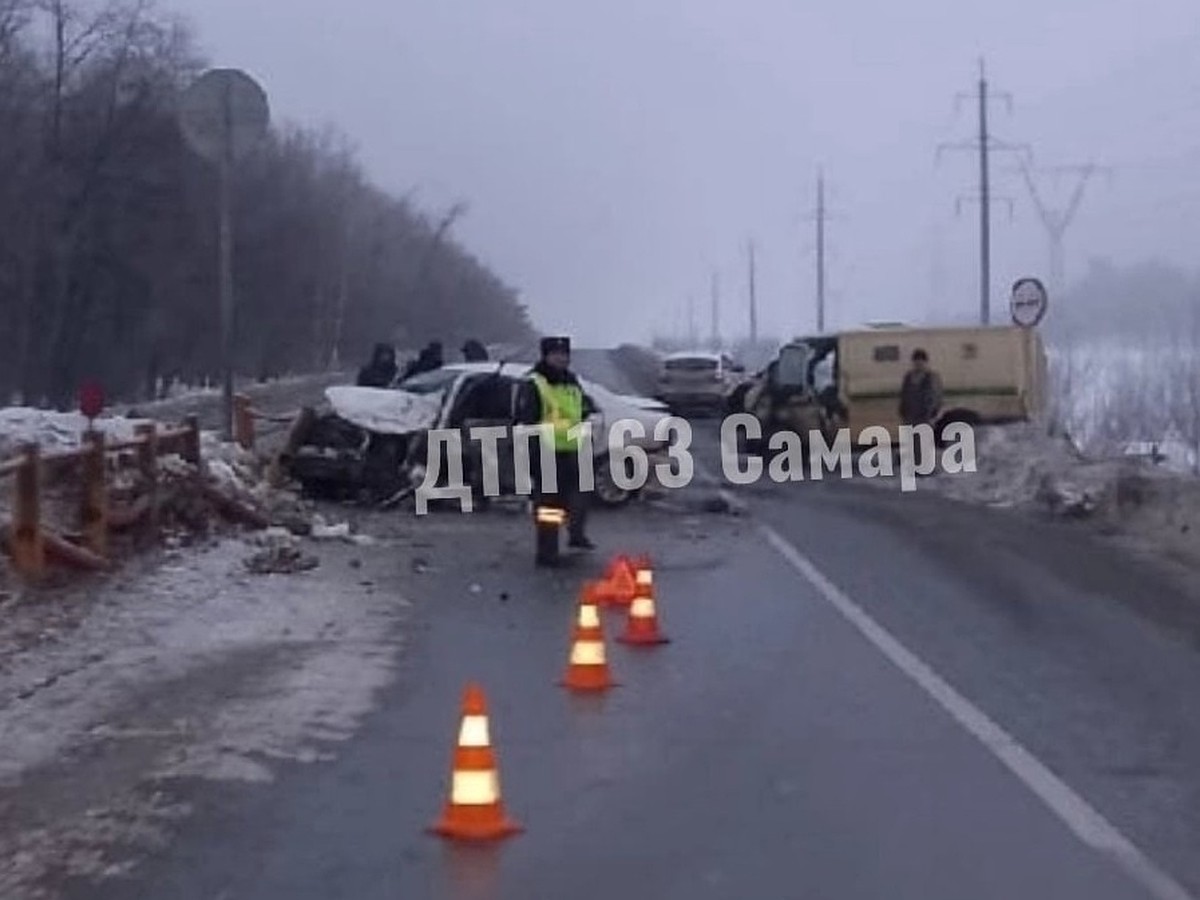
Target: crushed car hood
x=384 y=410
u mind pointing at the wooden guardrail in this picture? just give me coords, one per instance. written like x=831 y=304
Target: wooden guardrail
x=245 y=415
x=30 y=544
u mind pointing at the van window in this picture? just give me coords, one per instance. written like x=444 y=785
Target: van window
x=793 y=366
x=887 y=353
x=691 y=364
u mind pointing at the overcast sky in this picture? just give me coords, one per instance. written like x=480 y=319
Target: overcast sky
x=614 y=155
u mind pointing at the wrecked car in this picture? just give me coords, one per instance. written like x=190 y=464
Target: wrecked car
x=372 y=443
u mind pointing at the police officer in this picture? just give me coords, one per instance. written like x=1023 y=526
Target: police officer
x=553 y=395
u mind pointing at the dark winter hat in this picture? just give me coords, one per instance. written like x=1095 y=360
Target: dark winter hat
x=920 y=354
x=555 y=345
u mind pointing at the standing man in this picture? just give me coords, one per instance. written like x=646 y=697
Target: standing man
x=920 y=392
x=474 y=351
x=555 y=396
x=381 y=370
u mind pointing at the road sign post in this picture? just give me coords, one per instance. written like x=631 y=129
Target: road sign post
x=1028 y=302
x=223 y=116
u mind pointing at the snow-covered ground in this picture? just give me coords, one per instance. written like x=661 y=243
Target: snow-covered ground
x=196 y=666
x=54 y=430
x=1114 y=398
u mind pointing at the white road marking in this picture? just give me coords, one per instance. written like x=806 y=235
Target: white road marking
x=1076 y=813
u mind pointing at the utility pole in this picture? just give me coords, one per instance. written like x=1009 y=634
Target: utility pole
x=715 y=340
x=984 y=145
x=985 y=205
x=753 y=299
x=820 y=252
x=691 y=321
x=1056 y=221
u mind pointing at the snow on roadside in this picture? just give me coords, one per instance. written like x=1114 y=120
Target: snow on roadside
x=1023 y=466
x=199 y=668
x=55 y=431
x=186 y=615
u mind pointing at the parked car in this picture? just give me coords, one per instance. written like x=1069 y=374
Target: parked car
x=376 y=438
x=698 y=382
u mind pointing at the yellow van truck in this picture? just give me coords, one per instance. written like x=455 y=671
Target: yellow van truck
x=852 y=379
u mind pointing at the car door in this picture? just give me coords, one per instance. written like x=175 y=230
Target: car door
x=484 y=400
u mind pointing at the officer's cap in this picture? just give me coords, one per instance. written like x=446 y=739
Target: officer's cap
x=555 y=345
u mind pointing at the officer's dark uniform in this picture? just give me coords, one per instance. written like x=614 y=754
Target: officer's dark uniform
x=551 y=394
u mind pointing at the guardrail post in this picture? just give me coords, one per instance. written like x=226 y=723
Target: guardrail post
x=28 y=550
x=94 y=510
x=148 y=464
x=243 y=422
x=191 y=441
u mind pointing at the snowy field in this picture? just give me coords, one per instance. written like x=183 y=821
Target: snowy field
x=1114 y=399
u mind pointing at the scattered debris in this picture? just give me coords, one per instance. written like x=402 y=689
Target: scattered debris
x=282 y=560
x=280 y=554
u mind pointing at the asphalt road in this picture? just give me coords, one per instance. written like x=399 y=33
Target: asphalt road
x=867 y=695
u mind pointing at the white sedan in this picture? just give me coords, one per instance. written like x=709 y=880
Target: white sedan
x=487 y=391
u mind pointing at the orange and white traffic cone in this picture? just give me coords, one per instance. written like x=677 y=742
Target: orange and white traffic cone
x=588 y=669
x=474 y=811
x=643 y=575
x=617 y=586
x=642 y=625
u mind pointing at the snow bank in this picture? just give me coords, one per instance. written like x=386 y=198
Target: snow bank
x=1023 y=465
x=1027 y=467
x=55 y=430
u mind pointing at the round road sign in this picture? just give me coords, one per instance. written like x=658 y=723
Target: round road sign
x=224 y=109
x=1029 y=302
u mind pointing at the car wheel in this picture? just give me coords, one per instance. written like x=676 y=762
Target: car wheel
x=607 y=491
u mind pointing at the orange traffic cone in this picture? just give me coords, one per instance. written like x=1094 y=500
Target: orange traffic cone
x=618 y=584
x=475 y=811
x=587 y=669
x=642 y=625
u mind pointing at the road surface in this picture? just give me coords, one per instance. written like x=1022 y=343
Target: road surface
x=867 y=695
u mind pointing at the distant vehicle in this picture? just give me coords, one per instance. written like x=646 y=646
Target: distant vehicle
x=990 y=375
x=698 y=381
x=376 y=438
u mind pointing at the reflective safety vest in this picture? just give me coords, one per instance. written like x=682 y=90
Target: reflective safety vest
x=562 y=407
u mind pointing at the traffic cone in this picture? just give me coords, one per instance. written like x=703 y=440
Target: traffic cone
x=642 y=625
x=587 y=669
x=618 y=585
x=474 y=811
x=643 y=573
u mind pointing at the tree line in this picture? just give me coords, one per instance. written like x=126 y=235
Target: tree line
x=108 y=239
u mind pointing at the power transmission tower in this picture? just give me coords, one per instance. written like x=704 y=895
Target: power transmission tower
x=1056 y=221
x=984 y=144
x=753 y=297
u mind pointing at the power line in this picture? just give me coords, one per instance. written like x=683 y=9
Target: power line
x=984 y=144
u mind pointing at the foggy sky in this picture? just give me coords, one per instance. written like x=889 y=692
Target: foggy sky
x=615 y=154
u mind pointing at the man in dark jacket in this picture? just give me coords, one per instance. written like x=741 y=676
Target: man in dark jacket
x=381 y=370
x=920 y=392
x=553 y=395
x=474 y=351
x=428 y=360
